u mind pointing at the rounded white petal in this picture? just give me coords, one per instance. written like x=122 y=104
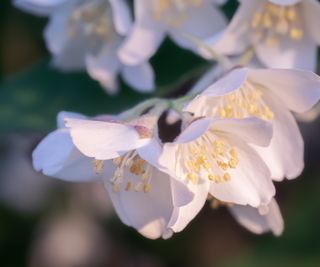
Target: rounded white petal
x=39 y=7
x=250 y=182
x=285 y=2
x=297 y=89
x=285 y=154
x=62 y=115
x=207 y=79
x=68 y=52
x=151 y=153
x=121 y=16
x=141 y=77
x=235 y=39
x=193 y=131
x=229 y=83
x=105 y=66
x=202 y=22
x=148 y=212
x=250 y=130
x=251 y=219
x=104 y=140
x=300 y=54
x=56 y=156
x=56 y=32
x=144 y=38
x=184 y=214
x=311 y=11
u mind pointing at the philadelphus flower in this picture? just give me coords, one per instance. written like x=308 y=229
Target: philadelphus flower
x=154 y=19
x=86 y=34
x=124 y=156
x=282 y=32
x=214 y=156
x=268 y=94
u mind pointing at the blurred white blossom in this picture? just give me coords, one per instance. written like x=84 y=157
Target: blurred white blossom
x=86 y=35
x=156 y=19
x=281 y=32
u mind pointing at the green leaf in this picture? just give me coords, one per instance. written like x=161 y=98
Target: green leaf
x=31 y=100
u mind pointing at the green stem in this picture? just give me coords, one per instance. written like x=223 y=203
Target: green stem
x=140 y=108
x=222 y=60
x=246 y=57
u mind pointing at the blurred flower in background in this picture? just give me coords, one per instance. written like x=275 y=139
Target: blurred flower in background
x=86 y=35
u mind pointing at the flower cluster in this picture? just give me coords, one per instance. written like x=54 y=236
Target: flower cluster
x=236 y=137
x=235 y=131
x=101 y=37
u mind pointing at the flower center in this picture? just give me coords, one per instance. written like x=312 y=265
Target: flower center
x=272 y=22
x=209 y=157
x=91 y=19
x=172 y=12
x=245 y=102
x=132 y=163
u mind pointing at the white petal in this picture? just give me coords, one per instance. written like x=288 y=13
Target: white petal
x=250 y=182
x=285 y=2
x=56 y=32
x=56 y=156
x=151 y=153
x=193 y=131
x=201 y=22
x=228 y=83
x=39 y=7
x=140 y=77
x=234 y=39
x=145 y=37
x=284 y=156
x=251 y=219
x=183 y=215
x=311 y=11
x=210 y=97
x=181 y=194
x=250 y=130
x=207 y=79
x=105 y=66
x=62 y=115
x=297 y=89
x=68 y=52
x=104 y=140
x=300 y=54
x=121 y=16
x=148 y=212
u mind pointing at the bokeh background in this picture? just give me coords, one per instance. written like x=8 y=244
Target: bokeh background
x=49 y=223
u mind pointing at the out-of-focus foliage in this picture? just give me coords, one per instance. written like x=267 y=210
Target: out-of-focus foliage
x=31 y=99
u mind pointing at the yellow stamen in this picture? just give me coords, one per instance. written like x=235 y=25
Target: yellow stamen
x=98 y=166
x=272 y=22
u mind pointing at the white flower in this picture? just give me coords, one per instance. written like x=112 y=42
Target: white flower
x=259 y=221
x=269 y=94
x=154 y=19
x=213 y=156
x=86 y=35
x=283 y=33
x=57 y=156
x=125 y=156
